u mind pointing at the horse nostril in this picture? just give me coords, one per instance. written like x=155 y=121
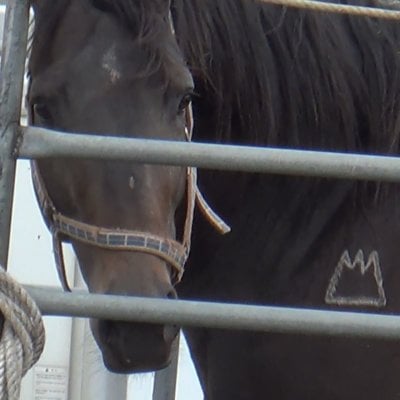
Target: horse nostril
x=172 y=294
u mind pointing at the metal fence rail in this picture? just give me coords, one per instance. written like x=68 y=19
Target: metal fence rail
x=11 y=83
x=37 y=143
x=40 y=143
x=217 y=315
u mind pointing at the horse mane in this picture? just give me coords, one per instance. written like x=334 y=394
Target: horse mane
x=297 y=78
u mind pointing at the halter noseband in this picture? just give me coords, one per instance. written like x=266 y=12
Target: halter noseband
x=171 y=251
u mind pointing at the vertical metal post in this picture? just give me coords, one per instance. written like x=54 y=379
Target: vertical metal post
x=165 y=380
x=11 y=85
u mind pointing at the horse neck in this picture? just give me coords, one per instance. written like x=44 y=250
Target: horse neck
x=292 y=78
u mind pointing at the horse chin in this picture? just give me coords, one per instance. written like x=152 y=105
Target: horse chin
x=133 y=347
x=127 y=366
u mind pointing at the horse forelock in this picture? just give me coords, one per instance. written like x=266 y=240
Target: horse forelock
x=294 y=77
x=146 y=22
x=144 y=19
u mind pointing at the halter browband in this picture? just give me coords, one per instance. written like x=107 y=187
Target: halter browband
x=169 y=250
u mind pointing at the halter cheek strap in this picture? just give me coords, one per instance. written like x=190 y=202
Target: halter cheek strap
x=195 y=196
x=171 y=251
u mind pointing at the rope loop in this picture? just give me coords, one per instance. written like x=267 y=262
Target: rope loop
x=23 y=335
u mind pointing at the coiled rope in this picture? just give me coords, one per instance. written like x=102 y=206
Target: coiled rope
x=23 y=335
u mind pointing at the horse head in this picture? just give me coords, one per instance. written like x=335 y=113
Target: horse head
x=114 y=68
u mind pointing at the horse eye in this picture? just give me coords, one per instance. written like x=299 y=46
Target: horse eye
x=42 y=111
x=184 y=103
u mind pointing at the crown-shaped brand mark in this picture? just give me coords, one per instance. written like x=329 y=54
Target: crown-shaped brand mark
x=357 y=283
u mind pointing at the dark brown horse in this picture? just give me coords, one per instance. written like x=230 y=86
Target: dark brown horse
x=266 y=75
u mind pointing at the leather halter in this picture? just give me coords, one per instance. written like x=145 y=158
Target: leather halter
x=171 y=251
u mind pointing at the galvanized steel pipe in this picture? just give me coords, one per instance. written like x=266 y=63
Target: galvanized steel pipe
x=11 y=84
x=216 y=315
x=42 y=143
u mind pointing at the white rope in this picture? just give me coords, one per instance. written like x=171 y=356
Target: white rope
x=323 y=6
x=23 y=335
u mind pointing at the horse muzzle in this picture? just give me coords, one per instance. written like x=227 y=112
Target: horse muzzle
x=129 y=347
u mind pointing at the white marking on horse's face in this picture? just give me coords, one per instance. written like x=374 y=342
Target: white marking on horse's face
x=110 y=64
x=131 y=182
